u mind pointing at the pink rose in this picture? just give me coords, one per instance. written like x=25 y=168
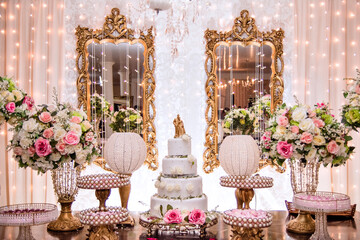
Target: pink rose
x=173 y=216
x=332 y=147
x=45 y=117
x=29 y=102
x=311 y=113
x=71 y=138
x=48 y=133
x=111 y=108
x=60 y=146
x=75 y=119
x=284 y=149
x=18 y=150
x=294 y=129
x=282 y=121
x=306 y=137
x=197 y=216
x=357 y=89
x=31 y=151
x=89 y=137
x=318 y=123
x=42 y=147
x=10 y=107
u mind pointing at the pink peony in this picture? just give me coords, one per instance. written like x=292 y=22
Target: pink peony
x=10 y=107
x=31 y=151
x=173 y=216
x=332 y=147
x=294 y=129
x=45 y=117
x=284 y=149
x=29 y=102
x=282 y=121
x=76 y=119
x=318 y=123
x=42 y=147
x=197 y=216
x=71 y=138
x=89 y=137
x=357 y=89
x=48 y=133
x=60 y=146
x=306 y=137
x=18 y=150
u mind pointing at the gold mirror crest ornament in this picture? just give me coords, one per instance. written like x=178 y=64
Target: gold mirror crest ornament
x=244 y=33
x=115 y=31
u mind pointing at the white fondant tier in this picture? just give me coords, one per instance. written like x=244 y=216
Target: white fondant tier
x=179 y=187
x=185 y=204
x=179 y=147
x=179 y=166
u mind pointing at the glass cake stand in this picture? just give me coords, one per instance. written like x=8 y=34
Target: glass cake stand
x=157 y=226
x=102 y=219
x=26 y=215
x=321 y=203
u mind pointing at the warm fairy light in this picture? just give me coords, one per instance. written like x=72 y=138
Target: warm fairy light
x=49 y=17
x=337 y=13
x=11 y=17
x=17 y=44
x=312 y=5
x=351 y=15
x=44 y=5
x=353 y=43
x=3 y=5
x=43 y=57
x=3 y=31
x=81 y=5
x=322 y=4
x=336 y=40
x=17 y=5
x=81 y=17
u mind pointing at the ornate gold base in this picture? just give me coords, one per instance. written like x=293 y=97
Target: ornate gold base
x=303 y=224
x=104 y=232
x=66 y=221
x=130 y=222
x=241 y=233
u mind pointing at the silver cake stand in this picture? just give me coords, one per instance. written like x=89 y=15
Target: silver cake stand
x=26 y=215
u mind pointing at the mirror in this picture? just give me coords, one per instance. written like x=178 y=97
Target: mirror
x=116 y=82
x=243 y=71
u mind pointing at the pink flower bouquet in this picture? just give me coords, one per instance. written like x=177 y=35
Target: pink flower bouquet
x=15 y=105
x=52 y=136
x=308 y=134
x=196 y=216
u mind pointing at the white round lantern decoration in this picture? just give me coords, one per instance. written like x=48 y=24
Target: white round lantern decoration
x=239 y=155
x=125 y=152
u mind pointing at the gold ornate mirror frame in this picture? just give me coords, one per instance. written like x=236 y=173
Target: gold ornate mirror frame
x=115 y=31
x=244 y=32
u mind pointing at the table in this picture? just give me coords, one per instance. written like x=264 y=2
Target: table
x=348 y=230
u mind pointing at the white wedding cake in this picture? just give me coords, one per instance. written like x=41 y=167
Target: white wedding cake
x=178 y=185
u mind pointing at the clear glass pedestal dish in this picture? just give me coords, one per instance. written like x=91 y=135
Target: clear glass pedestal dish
x=27 y=215
x=321 y=203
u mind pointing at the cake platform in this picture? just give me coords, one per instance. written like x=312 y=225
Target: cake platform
x=27 y=215
x=321 y=203
x=157 y=226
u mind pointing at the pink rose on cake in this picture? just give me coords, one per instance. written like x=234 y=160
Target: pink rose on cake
x=173 y=216
x=197 y=216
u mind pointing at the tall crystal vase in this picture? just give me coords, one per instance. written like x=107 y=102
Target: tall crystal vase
x=64 y=180
x=304 y=178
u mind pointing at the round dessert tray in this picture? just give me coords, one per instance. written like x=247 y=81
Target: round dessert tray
x=112 y=215
x=157 y=226
x=247 y=223
x=246 y=182
x=103 y=181
x=321 y=203
x=26 y=215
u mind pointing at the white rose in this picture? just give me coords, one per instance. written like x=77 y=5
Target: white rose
x=59 y=133
x=186 y=137
x=63 y=114
x=280 y=129
x=79 y=148
x=80 y=158
x=299 y=114
x=179 y=170
x=318 y=140
x=307 y=125
x=177 y=188
x=18 y=95
x=26 y=159
x=76 y=128
x=69 y=149
x=317 y=130
x=157 y=184
x=30 y=125
x=328 y=160
x=169 y=188
x=323 y=152
x=173 y=170
x=311 y=155
x=55 y=157
x=190 y=188
x=25 y=142
x=162 y=185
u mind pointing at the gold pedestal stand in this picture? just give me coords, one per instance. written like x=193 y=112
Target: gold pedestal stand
x=241 y=233
x=66 y=221
x=302 y=224
x=244 y=197
x=124 y=196
x=103 y=232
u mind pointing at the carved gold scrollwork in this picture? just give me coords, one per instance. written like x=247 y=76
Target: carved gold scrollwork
x=246 y=32
x=115 y=31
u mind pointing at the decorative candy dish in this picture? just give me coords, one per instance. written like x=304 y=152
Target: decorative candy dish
x=112 y=215
x=103 y=181
x=247 y=218
x=246 y=182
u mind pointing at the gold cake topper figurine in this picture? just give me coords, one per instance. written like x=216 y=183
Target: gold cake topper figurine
x=179 y=127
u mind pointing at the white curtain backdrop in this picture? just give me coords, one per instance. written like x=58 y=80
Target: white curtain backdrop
x=40 y=54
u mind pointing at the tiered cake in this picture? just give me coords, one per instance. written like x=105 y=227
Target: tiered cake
x=178 y=185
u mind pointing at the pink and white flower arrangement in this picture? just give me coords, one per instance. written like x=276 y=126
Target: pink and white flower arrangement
x=240 y=121
x=52 y=136
x=126 y=120
x=15 y=105
x=308 y=134
x=351 y=109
